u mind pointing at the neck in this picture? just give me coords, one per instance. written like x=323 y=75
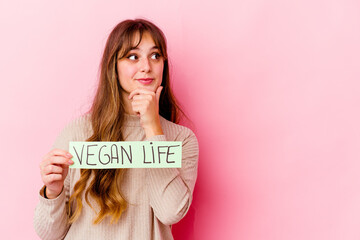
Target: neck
x=127 y=103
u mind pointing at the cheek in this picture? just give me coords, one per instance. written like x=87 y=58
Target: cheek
x=159 y=71
x=126 y=73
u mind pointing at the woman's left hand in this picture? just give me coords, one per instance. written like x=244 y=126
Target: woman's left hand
x=146 y=104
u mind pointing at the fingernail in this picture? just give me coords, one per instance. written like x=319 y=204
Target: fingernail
x=69 y=155
x=71 y=162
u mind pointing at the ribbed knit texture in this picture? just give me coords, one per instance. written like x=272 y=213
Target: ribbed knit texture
x=157 y=198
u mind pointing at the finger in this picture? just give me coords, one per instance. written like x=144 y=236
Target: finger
x=50 y=169
x=58 y=152
x=141 y=102
x=137 y=108
x=56 y=160
x=158 y=93
x=138 y=91
x=141 y=105
x=48 y=179
x=142 y=97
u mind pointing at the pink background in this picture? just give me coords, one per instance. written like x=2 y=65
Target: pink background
x=272 y=88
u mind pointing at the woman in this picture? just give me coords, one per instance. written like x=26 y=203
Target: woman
x=133 y=102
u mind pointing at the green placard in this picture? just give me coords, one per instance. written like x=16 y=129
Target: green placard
x=126 y=154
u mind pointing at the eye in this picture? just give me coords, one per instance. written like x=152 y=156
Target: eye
x=155 y=56
x=132 y=57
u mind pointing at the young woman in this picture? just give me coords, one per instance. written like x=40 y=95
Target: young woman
x=134 y=102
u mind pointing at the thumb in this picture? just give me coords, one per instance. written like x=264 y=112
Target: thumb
x=158 y=92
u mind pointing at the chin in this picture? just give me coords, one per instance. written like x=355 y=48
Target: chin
x=149 y=87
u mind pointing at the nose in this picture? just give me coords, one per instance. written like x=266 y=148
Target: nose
x=145 y=65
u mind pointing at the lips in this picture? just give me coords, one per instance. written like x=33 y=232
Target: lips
x=145 y=80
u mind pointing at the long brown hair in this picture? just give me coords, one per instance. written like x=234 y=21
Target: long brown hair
x=107 y=118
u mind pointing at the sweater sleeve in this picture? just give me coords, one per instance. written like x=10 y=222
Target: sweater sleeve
x=51 y=216
x=170 y=189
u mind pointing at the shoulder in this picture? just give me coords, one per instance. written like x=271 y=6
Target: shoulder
x=176 y=132
x=78 y=129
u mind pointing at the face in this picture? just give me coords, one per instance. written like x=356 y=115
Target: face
x=142 y=67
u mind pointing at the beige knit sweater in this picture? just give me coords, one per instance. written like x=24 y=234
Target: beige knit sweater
x=157 y=198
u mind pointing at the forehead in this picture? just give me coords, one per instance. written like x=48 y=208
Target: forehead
x=135 y=40
x=142 y=40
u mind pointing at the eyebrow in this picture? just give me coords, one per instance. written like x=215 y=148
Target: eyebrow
x=136 y=48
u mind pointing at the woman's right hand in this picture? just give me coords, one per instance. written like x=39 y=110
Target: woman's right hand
x=54 y=169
